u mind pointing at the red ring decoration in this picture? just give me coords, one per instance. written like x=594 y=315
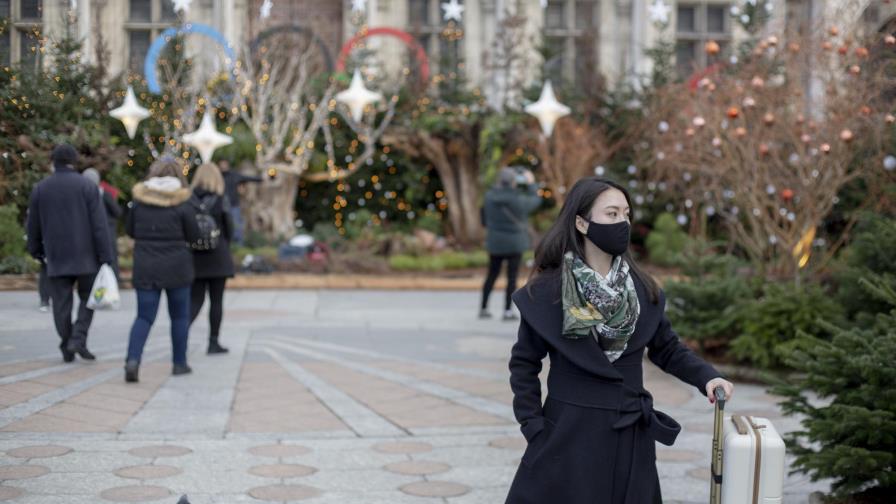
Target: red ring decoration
x=403 y=36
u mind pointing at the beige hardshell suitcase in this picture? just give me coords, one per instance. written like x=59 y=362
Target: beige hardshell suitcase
x=748 y=459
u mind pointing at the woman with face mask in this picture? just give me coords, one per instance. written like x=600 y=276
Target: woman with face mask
x=594 y=312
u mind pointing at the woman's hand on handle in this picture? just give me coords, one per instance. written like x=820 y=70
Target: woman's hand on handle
x=726 y=385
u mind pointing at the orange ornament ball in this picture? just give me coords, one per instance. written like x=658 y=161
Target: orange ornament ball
x=855 y=70
x=866 y=110
x=834 y=31
x=827 y=46
x=787 y=194
x=763 y=149
x=768 y=118
x=794 y=47
x=740 y=131
x=862 y=52
x=689 y=132
x=842 y=50
x=733 y=112
x=712 y=48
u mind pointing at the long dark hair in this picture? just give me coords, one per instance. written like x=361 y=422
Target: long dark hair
x=564 y=237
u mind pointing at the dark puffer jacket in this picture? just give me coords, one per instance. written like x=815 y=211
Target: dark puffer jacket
x=162 y=224
x=216 y=263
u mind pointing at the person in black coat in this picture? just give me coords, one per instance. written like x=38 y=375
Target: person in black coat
x=212 y=267
x=67 y=232
x=113 y=213
x=232 y=182
x=162 y=223
x=594 y=312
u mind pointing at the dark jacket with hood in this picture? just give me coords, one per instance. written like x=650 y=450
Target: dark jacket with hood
x=215 y=263
x=162 y=223
x=506 y=212
x=593 y=439
x=67 y=225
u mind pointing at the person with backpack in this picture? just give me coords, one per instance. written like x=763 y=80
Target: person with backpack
x=506 y=219
x=163 y=224
x=212 y=261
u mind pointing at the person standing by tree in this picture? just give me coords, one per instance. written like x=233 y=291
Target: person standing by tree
x=162 y=223
x=506 y=218
x=113 y=212
x=212 y=267
x=232 y=182
x=67 y=231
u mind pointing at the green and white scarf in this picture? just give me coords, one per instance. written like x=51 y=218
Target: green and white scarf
x=605 y=308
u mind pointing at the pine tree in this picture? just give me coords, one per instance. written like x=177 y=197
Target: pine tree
x=844 y=389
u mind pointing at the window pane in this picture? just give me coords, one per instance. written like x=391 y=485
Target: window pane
x=31 y=9
x=168 y=13
x=418 y=13
x=141 y=10
x=139 y=46
x=555 y=15
x=29 y=42
x=586 y=60
x=715 y=18
x=448 y=54
x=4 y=49
x=585 y=15
x=686 y=57
x=554 y=49
x=4 y=9
x=687 y=18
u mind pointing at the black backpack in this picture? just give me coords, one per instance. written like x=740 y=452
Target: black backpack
x=208 y=226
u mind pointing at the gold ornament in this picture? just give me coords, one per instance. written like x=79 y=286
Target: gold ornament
x=890 y=119
x=834 y=31
x=740 y=131
x=826 y=148
x=862 y=52
x=757 y=81
x=855 y=70
x=712 y=48
x=768 y=118
x=846 y=135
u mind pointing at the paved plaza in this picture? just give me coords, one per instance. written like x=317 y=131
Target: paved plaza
x=325 y=397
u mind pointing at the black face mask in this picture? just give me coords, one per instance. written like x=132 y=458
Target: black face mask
x=611 y=238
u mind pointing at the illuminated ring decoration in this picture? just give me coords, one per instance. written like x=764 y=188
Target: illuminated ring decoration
x=403 y=36
x=152 y=56
x=328 y=58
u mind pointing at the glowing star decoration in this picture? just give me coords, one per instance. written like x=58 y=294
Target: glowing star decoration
x=359 y=5
x=182 y=6
x=453 y=10
x=357 y=97
x=130 y=113
x=265 y=10
x=547 y=109
x=207 y=139
x=659 y=12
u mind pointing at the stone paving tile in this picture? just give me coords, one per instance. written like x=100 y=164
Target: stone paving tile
x=38 y=451
x=402 y=405
x=25 y=366
x=435 y=489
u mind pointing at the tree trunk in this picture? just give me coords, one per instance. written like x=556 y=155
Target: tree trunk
x=269 y=207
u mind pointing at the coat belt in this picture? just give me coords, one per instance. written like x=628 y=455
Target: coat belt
x=635 y=407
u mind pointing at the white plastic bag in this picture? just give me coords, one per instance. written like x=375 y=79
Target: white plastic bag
x=104 y=293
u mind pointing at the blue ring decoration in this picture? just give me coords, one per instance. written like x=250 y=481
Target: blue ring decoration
x=152 y=56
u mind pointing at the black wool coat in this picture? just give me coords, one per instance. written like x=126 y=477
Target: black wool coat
x=67 y=226
x=593 y=439
x=162 y=224
x=215 y=263
x=506 y=212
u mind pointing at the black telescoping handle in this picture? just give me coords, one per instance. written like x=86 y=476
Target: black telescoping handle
x=719 y=392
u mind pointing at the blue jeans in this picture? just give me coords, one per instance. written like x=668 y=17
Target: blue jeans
x=178 y=310
x=237 y=216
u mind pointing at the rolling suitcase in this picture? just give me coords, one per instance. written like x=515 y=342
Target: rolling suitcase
x=747 y=459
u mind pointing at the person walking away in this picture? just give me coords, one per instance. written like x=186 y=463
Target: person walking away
x=506 y=215
x=162 y=223
x=213 y=266
x=232 y=182
x=594 y=311
x=113 y=212
x=67 y=232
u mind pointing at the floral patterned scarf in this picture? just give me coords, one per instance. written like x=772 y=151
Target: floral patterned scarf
x=606 y=308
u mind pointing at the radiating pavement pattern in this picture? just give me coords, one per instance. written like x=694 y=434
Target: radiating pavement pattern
x=325 y=397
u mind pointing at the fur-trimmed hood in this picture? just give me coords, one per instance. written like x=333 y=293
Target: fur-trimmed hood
x=161 y=191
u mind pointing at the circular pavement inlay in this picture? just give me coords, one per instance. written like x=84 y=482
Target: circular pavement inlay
x=155 y=451
x=148 y=471
x=10 y=493
x=417 y=467
x=42 y=451
x=403 y=447
x=278 y=450
x=282 y=470
x=17 y=472
x=677 y=455
x=509 y=443
x=434 y=489
x=284 y=492
x=701 y=473
x=135 y=493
